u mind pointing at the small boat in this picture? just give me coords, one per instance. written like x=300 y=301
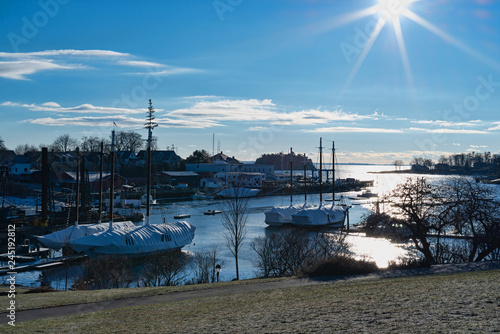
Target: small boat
x=201 y=195
x=367 y=194
x=212 y=212
x=182 y=216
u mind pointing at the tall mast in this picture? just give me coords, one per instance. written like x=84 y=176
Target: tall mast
x=112 y=188
x=333 y=172
x=291 y=176
x=320 y=171
x=100 y=182
x=305 y=178
x=150 y=125
x=77 y=199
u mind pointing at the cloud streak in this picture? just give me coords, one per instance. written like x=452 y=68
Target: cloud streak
x=18 y=65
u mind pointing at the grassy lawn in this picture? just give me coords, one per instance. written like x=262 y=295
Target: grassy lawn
x=29 y=301
x=468 y=302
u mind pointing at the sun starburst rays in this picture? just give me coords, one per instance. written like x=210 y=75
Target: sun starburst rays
x=392 y=11
x=402 y=50
x=373 y=37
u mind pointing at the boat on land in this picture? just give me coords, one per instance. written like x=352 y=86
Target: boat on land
x=212 y=212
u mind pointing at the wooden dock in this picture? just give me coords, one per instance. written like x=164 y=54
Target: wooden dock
x=41 y=264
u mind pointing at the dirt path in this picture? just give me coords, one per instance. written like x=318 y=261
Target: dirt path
x=220 y=291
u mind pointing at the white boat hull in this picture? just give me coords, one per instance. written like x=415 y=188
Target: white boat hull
x=281 y=215
x=143 y=240
x=59 y=239
x=321 y=216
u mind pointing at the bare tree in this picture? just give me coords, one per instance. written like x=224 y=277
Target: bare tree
x=288 y=252
x=93 y=144
x=415 y=204
x=128 y=141
x=2 y=145
x=234 y=220
x=397 y=164
x=24 y=148
x=64 y=143
x=105 y=273
x=470 y=209
x=204 y=263
x=163 y=269
x=458 y=205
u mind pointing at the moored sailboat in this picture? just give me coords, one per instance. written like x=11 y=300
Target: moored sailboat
x=59 y=239
x=143 y=240
x=333 y=216
x=281 y=215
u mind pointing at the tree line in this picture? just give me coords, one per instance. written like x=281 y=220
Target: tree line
x=124 y=141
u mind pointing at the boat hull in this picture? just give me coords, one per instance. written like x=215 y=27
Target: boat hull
x=142 y=241
x=321 y=216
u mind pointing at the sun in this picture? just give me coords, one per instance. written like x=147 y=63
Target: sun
x=393 y=8
x=391 y=12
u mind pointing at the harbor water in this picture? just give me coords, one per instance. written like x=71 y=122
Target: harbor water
x=210 y=232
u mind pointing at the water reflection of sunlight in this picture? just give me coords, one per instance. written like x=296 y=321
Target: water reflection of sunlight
x=379 y=250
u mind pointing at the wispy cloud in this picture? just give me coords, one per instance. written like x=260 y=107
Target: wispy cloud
x=496 y=127
x=448 y=123
x=67 y=52
x=121 y=120
x=354 y=129
x=18 y=65
x=139 y=63
x=450 y=131
x=19 y=69
x=81 y=109
x=253 y=110
x=169 y=70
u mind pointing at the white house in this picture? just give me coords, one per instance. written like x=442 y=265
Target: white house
x=249 y=180
x=212 y=183
x=20 y=165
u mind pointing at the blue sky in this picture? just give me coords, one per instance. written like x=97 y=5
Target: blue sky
x=385 y=79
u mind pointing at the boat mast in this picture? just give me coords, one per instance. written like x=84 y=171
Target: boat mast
x=100 y=183
x=320 y=171
x=291 y=176
x=77 y=199
x=112 y=188
x=305 y=179
x=333 y=172
x=150 y=125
